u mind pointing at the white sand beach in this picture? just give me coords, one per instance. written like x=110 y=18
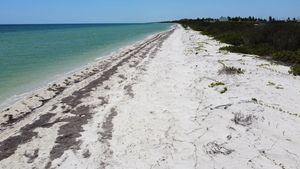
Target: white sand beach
x=171 y=101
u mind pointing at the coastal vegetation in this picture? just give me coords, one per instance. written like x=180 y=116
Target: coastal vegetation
x=271 y=39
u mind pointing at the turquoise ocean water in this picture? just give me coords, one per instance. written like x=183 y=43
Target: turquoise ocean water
x=32 y=55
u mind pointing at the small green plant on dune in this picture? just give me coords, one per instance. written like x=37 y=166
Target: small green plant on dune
x=254 y=100
x=215 y=84
x=271 y=84
x=222 y=62
x=212 y=85
x=224 y=90
x=200 y=46
x=263 y=65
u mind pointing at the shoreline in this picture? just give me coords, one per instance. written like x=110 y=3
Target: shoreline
x=66 y=99
x=15 y=98
x=38 y=98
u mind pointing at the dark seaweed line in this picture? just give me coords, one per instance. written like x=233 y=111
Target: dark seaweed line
x=107 y=125
x=68 y=133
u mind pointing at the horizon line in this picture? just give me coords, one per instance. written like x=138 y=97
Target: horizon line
x=79 y=23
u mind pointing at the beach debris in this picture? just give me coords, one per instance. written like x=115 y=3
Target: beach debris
x=106 y=87
x=225 y=106
x=104 y=100
x=122 y=77
x=86 y=154
x=129 y=90
x=10 y=118
x=271 y=84
x=279 y=87
x=31 y=155
x=213 y=148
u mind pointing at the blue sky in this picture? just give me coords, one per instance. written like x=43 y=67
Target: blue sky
x=116 y=11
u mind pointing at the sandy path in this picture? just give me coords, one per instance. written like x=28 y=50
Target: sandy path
x=155 y=106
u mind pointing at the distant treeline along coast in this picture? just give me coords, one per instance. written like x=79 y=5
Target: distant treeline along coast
x=278 y=40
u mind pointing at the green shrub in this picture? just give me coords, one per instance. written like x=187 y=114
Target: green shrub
x=261 y=50
x=287 y=56
x=296 y=70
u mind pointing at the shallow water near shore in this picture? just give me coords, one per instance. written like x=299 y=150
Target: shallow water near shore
x=32 y=55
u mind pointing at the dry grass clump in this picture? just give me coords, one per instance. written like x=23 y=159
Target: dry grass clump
x=243 y=120
x=213 y=148
x=231 y=70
